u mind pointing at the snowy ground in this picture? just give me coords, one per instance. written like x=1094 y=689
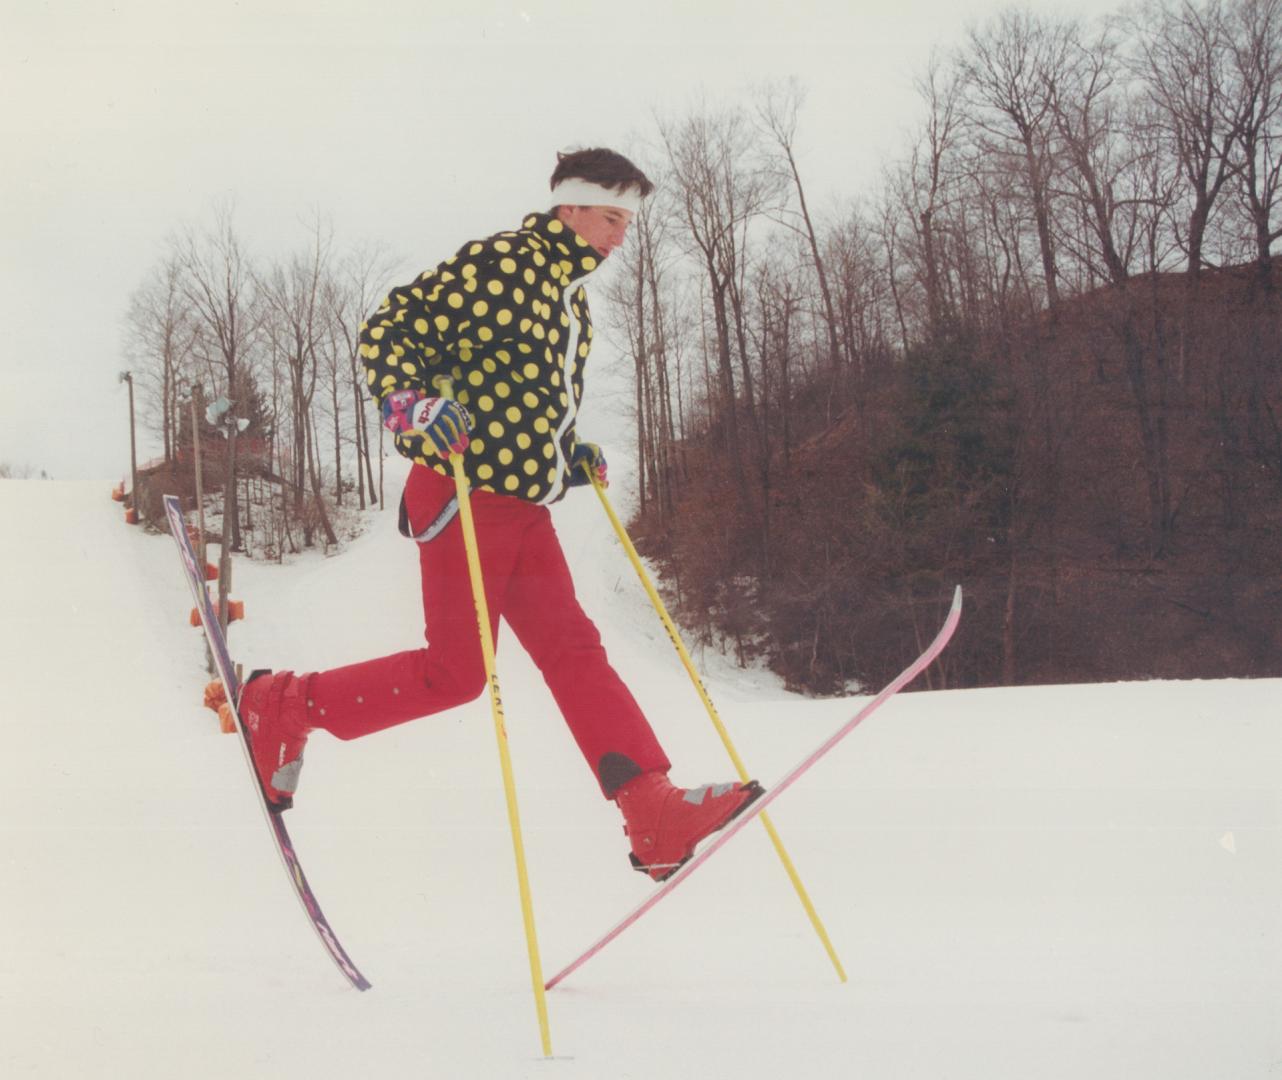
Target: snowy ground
x=1055 y=882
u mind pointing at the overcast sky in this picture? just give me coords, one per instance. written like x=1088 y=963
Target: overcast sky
x=418 y=125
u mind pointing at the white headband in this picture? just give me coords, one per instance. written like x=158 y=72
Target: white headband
x=576 y=192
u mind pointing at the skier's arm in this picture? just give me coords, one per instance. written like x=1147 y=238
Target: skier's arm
x=408 y=339
x=429 y=328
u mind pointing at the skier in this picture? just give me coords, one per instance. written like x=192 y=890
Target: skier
x=506 y=320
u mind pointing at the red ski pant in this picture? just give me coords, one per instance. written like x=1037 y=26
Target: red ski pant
x=527 y=584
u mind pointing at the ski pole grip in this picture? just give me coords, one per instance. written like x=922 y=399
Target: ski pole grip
x=444 y=385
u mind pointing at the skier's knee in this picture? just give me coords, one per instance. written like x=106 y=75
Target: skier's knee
x=460 y=684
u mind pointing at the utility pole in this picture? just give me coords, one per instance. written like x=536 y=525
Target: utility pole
x=128 y=377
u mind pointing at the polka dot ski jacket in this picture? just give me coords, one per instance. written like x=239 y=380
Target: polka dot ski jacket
x=507 y=320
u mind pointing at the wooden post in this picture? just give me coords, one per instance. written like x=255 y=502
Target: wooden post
x=197 y=411
x=229 y=498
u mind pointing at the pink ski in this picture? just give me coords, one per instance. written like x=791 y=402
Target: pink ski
x=901 y=680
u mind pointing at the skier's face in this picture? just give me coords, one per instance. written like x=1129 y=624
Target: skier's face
x=604 y=227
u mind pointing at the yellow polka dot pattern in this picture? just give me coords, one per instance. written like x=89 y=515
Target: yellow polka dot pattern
x=508 y=322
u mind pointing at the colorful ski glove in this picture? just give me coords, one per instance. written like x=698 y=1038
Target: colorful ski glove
x=589 y=454
x=445 y=423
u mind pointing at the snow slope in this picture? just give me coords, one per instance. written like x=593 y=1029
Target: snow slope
x=1050 y=882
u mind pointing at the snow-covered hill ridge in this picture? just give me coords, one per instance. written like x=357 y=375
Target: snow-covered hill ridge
x=1047 y=882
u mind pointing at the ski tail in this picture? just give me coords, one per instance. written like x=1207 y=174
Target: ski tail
x=906 y=676
x=227 y=673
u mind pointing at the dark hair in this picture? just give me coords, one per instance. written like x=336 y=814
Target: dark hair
x=601 y=166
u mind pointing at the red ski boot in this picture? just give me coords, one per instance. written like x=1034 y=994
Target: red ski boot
x=273 y=709
x=665 y=822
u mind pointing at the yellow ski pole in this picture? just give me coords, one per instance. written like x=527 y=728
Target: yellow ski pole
x=675 y=637
x=500 y=730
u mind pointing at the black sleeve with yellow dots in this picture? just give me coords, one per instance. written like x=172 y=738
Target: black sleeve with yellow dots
x=507 y=321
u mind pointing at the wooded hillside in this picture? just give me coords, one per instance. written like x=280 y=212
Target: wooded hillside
x=1106 y=486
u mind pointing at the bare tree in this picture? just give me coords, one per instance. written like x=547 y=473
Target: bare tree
x=218 y=283
x=159 y=337
x=334 y=361
x=777 y=108
x=1009 y=67
x=1090 y=114
x=720 y=195
x=297 y=327
x=1183 y=56
x=924 y=187
x=361 y=279
x=630 y=302
x=1255 y=29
